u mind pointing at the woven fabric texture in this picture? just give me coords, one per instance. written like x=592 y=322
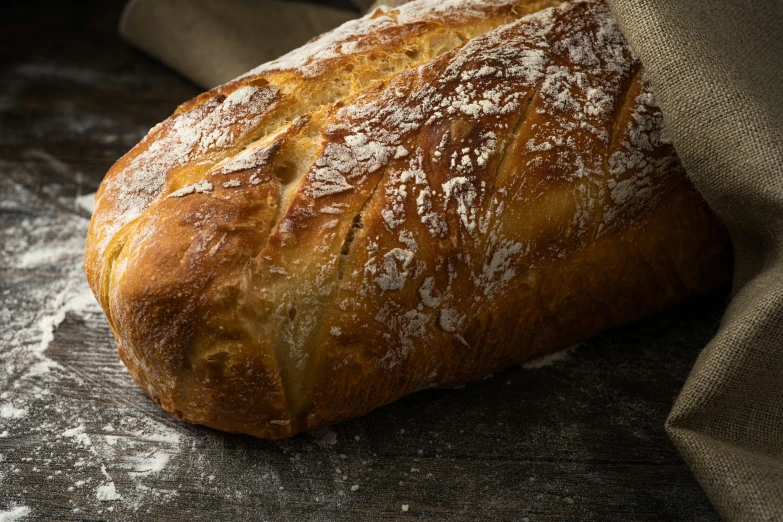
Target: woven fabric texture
x=717 y=72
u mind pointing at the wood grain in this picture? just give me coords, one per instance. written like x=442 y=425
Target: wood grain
x=581 y=439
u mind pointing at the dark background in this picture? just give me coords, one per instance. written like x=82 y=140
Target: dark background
x=581 y=439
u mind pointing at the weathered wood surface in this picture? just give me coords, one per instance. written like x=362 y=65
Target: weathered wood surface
x=580 y=439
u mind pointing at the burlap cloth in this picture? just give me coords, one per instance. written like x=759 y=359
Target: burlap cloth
x=717 y=70
x=213 y=41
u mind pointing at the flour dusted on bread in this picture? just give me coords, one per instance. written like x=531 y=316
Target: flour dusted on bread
x=419 y=198
x=215 y=125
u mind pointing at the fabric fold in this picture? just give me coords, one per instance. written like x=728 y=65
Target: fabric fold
x=717 y=71
x=213 y=41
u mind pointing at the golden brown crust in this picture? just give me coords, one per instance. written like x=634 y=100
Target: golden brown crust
x=376 y=213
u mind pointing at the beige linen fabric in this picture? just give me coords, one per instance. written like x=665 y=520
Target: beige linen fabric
x=389 y=3
x=717 y=72
x=213 y=41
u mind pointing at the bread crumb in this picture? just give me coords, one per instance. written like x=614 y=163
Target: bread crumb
x=355 y=487
x=405 y=508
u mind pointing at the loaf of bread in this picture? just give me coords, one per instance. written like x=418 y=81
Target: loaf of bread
x=416 y=199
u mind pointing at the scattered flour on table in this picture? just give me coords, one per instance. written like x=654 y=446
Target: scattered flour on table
x=108 y=447
x=87 y=202
x=76 y=423
x=66 y=413
x=9 y=412
x=549 y=360
x=107 y=492
x=14 y=514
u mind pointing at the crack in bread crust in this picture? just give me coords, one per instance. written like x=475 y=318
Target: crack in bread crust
x=507 y=165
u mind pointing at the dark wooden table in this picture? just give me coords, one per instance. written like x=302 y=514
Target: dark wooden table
x=579 y=439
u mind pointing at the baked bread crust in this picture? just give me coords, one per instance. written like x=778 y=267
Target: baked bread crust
x=417 y=199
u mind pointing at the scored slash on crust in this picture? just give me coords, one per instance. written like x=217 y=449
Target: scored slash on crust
x=387 y=209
